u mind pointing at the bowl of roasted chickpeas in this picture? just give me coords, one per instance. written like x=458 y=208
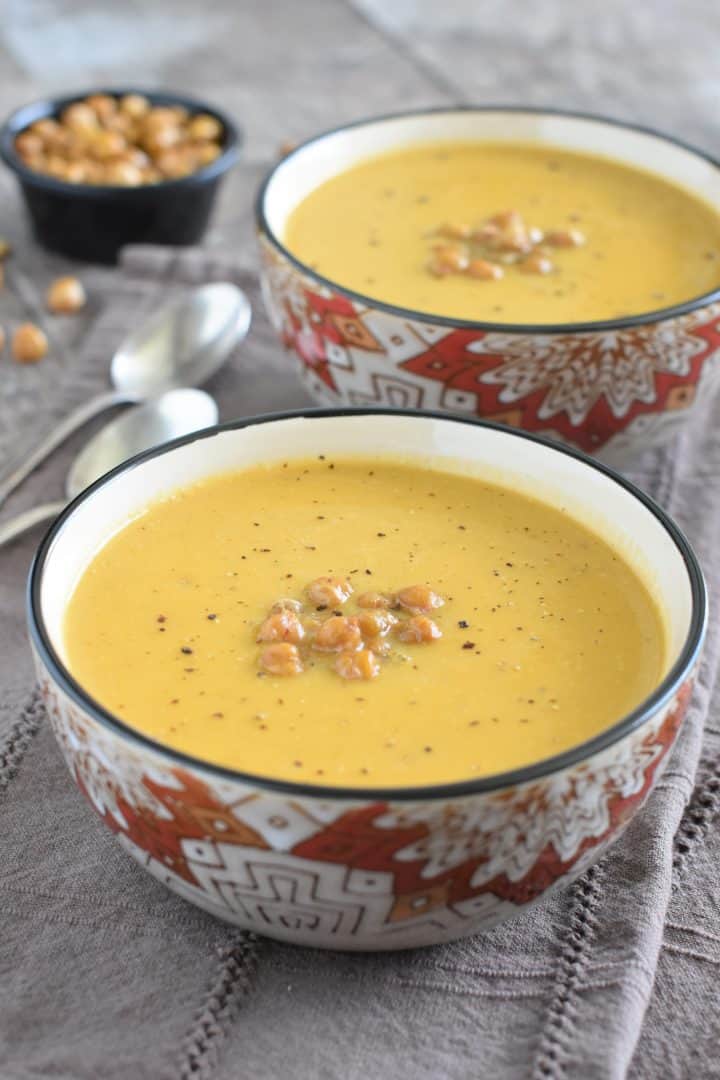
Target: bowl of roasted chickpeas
x=111 y=167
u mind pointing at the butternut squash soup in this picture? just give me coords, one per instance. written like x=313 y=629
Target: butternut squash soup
x=342 y=621
x=506 y=232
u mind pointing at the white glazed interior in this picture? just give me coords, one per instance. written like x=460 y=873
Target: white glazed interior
x=496 y=455
x=331 y=154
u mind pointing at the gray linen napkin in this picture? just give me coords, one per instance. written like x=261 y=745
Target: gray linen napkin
x=105 y=974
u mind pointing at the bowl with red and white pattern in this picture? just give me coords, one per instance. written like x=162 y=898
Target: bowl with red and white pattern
x=613 y=387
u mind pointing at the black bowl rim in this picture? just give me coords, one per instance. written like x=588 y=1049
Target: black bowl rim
x=42 y=108
x=598 y=325
x=497 y=781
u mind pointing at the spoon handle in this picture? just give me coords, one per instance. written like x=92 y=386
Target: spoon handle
x=66 y=427
x=28 y=520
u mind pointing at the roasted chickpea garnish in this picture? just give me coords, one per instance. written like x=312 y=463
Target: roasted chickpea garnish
x=419 y=629
x=120 y=141
x=537 y=263
x=419 y=599
x=375 y=624
x=503 y=240
x=134 y=105
x=338 y=633
x=486 y=271
x=357 y=665
x=281 y=659
x=29 y=344
x=374 y=600
x=297 y=633
x=326 y=591
x=565 y=238
x=282 y=626
x=286 y=604
x=66 y=295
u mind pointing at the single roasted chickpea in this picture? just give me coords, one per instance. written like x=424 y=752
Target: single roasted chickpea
x=338 y=633
x=158 y=140
x=282 y=626
x=76 y=172
x=50 y=131
x=484 y=270
x=120 y=121
x=107 y=144
x=281 y=659
x=56 y=165
x=486 y=234
x=29 y=344
x=375 y=624
x=161 y=116
x=419 y=630
x=374 y=600
x=537 y=263
x=77 y=145
x=357 y=665
x=448 y=259
x=79 y=116
x=380 y=646
x=29 y=144
x=134 y=105
x=123 y=173
x=174 y=163
x=506 y=219
x=66 y=295
x=454 y=231
x=419 y=599
x=204 y=126
x=514 y=238
x=206 y=153
x=326 y=591
x=286 y=604
x=565 y=238
x=135 y=156
x=102 y=105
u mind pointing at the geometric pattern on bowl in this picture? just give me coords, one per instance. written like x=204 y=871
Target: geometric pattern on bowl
x=608 y=392
x=611 y=387
x=341 y=874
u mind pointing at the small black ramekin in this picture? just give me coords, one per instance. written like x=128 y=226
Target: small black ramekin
x=92 y=222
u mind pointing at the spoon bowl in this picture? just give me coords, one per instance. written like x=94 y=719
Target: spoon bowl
x=183 y=344
x=175 y=413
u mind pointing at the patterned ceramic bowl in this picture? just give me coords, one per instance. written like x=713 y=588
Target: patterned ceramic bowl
x=353 y=868
x=614 y=387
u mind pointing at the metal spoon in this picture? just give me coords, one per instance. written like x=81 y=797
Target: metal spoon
x=178 y=412
x=182 y=344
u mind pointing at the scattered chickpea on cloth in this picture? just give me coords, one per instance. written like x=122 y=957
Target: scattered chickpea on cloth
x=66 y=295
x=29 y=344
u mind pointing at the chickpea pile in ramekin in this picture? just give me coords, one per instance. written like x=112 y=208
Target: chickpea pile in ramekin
x=125 y=141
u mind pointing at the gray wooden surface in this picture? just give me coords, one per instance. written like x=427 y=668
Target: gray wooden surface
x=286 y=69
